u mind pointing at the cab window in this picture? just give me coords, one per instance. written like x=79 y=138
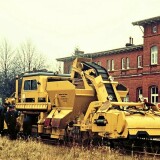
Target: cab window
x=30 y=85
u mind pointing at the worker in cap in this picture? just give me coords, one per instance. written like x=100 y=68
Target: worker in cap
x=11 y=120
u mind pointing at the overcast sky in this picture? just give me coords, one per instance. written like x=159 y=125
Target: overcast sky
x=56 y=27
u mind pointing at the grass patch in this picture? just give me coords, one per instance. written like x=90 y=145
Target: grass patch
x=33 y=150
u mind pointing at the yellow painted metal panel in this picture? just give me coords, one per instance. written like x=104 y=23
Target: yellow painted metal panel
x=151 y=132
x=143 y=121
x=29 y=106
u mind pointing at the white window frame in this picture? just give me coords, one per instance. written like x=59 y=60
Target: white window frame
x=108 y=64
x=139 y=61
x=154 y=55
x=154 y=94
x=127 y=63
x=112 y=65
x=123 y=63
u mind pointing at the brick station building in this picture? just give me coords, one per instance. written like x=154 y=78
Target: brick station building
x=135 y=66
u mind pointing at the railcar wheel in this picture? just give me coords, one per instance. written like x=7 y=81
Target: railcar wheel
x=68 y=137
x=73 y=135
x=85 y=138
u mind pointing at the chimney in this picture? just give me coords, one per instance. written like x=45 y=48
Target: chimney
x=130 y=42
x=78 y=52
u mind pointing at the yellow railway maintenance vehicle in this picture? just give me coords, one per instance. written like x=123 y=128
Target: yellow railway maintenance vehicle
x=86 y=104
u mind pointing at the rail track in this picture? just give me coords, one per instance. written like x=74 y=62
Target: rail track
x=125 y=151
x=141 y=147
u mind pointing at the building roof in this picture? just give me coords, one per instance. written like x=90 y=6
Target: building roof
x=45 y=74
x=103 y=53
x=147 y=21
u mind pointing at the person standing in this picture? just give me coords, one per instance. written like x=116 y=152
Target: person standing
x=11 y=120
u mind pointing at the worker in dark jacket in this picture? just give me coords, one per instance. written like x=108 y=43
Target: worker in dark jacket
x=1 y=119
x=11 y=120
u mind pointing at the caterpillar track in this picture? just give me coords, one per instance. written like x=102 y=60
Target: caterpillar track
x=100 y=71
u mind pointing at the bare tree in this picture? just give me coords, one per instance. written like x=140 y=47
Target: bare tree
x=29 y=58
x=6 y=58
x=39 y=62
x=14 y=62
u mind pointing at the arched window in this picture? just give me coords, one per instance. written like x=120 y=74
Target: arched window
x=154 y=55
x=154 y=94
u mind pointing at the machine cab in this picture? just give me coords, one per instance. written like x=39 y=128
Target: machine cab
x=33 y=89
x=31 y=92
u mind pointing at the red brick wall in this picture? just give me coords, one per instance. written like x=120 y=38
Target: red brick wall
x=134 y=77
x=150 y=39
x=133 y=83
x=117 y=63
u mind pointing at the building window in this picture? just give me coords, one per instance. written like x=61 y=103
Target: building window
x=154 y=55
x=139 y=61
x=112 y=65
x=139 y=93
x=108 y=65
x=127 y=63
x=99 y=63
x=126 y=99
x=123 y=63
x=154 y=94
x=154 y=29
x=30 y=85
